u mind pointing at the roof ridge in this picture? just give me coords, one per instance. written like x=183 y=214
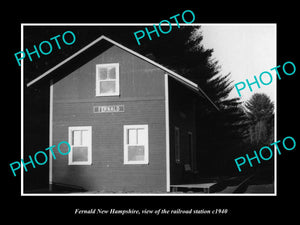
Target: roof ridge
x=171 y=73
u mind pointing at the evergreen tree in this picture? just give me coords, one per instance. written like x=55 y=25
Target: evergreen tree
x=259 y=110
x=182 y=51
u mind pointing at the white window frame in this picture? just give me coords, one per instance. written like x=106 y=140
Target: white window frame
x=177 y=151
x=117 y=92
x=191 y=162
x=146 y=143
x=80 y=128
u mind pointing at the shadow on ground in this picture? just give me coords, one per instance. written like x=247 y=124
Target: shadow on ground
x=260 y=182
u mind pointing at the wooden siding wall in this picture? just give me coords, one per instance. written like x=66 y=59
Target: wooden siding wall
x=182 y=115
x=142 y=94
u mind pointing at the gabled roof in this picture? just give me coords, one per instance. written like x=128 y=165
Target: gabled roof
x=171 y=73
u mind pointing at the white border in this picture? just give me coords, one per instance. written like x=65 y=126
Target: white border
x=275 y=118
x=140 y=194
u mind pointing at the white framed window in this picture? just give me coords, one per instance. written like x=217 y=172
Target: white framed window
x=190 y=154
x=177 y=144
x=136 y=149
x=107 y=79
x=80 y=139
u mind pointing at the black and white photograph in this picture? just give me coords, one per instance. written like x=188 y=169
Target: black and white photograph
x=162 y=117
x=165 y=112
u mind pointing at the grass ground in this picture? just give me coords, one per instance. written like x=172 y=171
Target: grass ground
x=260 y=182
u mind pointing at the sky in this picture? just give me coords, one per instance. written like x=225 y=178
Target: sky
x=245 y=51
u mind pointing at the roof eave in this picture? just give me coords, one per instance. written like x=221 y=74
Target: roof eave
x=171 y=73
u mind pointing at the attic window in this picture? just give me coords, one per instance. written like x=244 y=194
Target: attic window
x=107 y=79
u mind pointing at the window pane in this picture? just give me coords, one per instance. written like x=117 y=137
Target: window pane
x=112 y=73
x=136 y=153
x=107 y=87
x=177 y=145
x=132 y=137
x=76 y=137
x=85 y=138
x=80 y=154
x=190 y=150
x=103 y=73
x=141 y=136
